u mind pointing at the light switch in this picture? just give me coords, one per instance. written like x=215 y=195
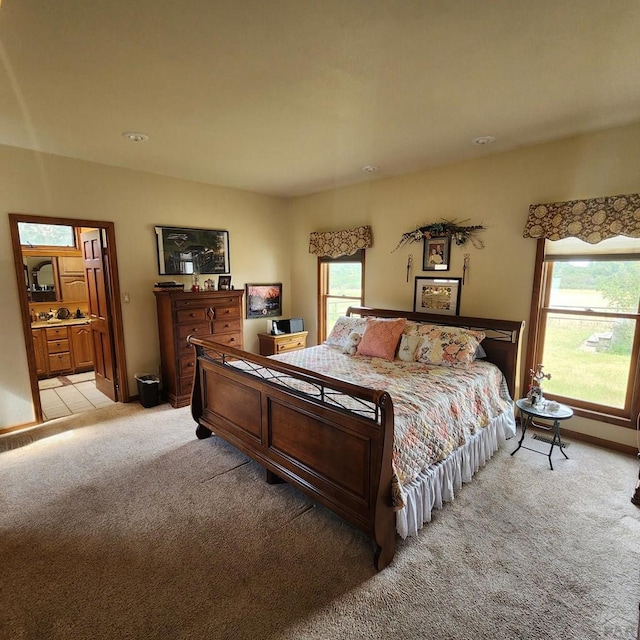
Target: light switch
x=125 y=297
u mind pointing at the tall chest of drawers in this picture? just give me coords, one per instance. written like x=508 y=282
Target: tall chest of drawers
x=213 y=314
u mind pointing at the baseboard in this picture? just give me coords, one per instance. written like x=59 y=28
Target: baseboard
x=18 y=427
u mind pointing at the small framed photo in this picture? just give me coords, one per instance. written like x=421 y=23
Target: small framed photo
x=264 y=300
x=224 y=283
x=435 y=256
x=437 y=295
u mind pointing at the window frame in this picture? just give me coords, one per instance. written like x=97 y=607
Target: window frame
x=323 y=281
x=625 y=417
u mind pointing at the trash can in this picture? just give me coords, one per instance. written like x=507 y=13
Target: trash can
x=148 y=389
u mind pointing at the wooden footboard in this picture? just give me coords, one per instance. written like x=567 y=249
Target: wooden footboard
x=338 y=457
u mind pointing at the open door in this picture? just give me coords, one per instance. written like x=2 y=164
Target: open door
x=94 y=256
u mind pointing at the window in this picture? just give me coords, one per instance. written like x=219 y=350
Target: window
x=586 y=326
x=46 y=235
x=341 y=285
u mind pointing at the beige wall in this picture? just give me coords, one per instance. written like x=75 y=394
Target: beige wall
x=495 y=191
x=54 y=186
x=269 y=246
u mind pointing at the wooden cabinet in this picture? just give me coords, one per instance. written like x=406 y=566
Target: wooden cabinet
x=62 y=349
x=271 y=345
x=213 y=314
x=73 y=289
x=40 y=350
x=72 y=283
x=71 y=265
x=81 y=346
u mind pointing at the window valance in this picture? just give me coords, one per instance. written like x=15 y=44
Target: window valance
x=590 y=220
x=340 y=243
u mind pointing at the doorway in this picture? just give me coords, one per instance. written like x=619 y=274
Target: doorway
x=100 y=328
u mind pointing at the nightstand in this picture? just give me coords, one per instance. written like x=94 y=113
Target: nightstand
x=551 y=411
x=271 y=345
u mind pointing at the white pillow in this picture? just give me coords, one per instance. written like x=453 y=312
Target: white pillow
x=408 y=346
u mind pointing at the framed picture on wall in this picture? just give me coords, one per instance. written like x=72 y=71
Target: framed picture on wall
x=183 y=251
x=435 y=255
x=437 y=295
x=264 y=300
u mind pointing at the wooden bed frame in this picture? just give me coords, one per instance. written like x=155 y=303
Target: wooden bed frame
x=339 y=458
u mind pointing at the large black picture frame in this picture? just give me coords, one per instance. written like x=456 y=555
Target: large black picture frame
x=184 y=250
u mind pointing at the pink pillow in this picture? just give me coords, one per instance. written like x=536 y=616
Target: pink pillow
x=381 y=337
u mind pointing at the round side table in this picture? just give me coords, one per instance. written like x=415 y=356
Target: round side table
x=542 y=411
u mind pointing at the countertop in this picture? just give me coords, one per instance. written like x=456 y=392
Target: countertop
x=59 y=323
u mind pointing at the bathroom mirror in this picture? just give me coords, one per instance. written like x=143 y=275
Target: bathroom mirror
x=40 y=278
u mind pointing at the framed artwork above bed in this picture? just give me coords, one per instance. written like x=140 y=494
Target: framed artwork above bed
x=437 y=295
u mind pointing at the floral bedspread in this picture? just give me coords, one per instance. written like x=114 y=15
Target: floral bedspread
x=435 y=408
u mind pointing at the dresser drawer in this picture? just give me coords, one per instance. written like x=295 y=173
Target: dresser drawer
x=197 y=302
x=187 y=364
x=199 y=329
x=226 y=326
x=226 y=301
x=57 y=346
x=185 y=385
x=187 y=316
x=59 y=362
x=221 y=313
x=291 y=345
x=55 y=333
x=229 y=339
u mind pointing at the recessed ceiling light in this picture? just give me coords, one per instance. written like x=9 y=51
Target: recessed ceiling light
x=135 y=136
x=483 y=140
x=369 y=168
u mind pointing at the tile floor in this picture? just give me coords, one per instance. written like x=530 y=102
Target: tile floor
x=70 y=394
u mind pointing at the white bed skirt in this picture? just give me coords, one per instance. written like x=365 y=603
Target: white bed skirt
x=440 y=482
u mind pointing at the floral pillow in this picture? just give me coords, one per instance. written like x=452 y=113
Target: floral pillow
x=448 y=346
x=380 y=338
x=339 y=336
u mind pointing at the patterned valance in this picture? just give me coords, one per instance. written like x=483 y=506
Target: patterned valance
x=591 y=220
x=339 y=243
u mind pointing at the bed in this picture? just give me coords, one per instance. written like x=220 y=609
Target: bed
x=349 y=431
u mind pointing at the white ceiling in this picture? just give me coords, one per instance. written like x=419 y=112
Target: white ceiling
x=289 y=97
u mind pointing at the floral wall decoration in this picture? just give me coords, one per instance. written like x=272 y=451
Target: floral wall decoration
x=460 y=233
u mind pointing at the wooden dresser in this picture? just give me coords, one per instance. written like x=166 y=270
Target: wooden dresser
x=217 y=314
x=271 y=345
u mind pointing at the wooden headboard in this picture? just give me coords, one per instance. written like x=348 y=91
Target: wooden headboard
x=502 y=343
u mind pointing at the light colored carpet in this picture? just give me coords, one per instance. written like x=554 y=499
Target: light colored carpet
x=121 y=524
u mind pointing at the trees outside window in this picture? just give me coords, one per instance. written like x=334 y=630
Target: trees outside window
x=340 y=285
x=586 y=331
